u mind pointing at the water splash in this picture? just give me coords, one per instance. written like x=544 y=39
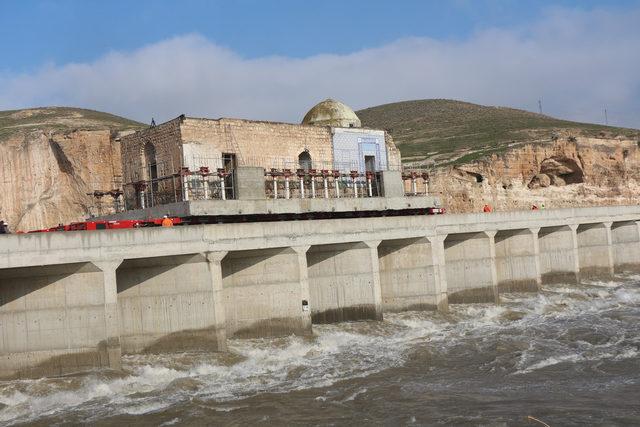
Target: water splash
x=525 y=335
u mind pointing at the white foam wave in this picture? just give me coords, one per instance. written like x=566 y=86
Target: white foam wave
x=337 y=352
x=301 y=363
x=356 y=394
x=550 y=361
x=622 y=354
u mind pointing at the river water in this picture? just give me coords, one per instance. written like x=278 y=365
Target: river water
x=567 y=356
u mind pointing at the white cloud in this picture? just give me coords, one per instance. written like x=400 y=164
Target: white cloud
x=577 y=62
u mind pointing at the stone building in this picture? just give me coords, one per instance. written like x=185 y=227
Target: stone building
x=156 y=160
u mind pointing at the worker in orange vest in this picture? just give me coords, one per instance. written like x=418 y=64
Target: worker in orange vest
x=486 y=208
x=167 y=222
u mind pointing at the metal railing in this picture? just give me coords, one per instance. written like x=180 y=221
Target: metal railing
x=185 y=185
x=206 y=183
x=415 y=182
x=323 y=184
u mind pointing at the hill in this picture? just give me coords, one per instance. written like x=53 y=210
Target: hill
x=61 y=119
x=452 y=132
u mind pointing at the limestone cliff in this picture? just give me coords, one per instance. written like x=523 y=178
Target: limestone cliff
x=50 y=159
x=564 y=172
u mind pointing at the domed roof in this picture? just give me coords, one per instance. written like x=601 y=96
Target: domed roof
x=331 y=113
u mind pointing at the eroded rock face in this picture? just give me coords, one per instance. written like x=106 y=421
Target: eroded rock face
x=540 y=180
x=562 y=170
x=45 y=178
x=562 y=173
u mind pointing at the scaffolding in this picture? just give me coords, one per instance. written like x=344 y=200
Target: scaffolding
x=106 y=201
x=321 y=184
x=159 y=183
x=101 y=207
x=415 y=182
x=208 y=178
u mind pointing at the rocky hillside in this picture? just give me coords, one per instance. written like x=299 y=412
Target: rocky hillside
x=454 y=132
x=511 y=159
x=50 y=158
x=568 y=172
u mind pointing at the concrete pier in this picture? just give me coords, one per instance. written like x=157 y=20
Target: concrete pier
x=344 y=282
x=408 y=276
x=57 y=318
x=167 y=304
x=558 y=254
x=595 y=251
x=262 y=293
x=625 y=238
x=71 y=301
x=471 y=268
x=517 y=262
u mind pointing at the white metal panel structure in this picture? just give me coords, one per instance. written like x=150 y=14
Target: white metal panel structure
x=351 y=146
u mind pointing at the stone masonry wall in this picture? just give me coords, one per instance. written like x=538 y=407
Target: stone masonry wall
x=166 y=139
x=197 y=142
x=394 y=158
x=265 y=144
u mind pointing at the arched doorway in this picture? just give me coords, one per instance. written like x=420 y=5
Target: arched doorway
x=151 y=165
x=304 y=160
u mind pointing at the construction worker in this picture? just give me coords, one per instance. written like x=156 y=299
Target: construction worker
x=166 y=221
x=486 y=208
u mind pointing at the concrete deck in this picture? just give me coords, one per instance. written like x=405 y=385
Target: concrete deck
x=277 y=207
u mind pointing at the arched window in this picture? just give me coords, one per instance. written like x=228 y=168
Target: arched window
x=151 y=165
x=304 y=160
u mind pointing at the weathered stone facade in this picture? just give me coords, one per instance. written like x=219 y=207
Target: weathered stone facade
x=166 y=140
x=256 y=143
x=192 y=143
x=187 y=141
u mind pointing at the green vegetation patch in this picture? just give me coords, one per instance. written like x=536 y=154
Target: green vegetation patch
x=60 y=119
x=443 y=129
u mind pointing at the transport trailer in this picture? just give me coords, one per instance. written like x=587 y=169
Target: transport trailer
x=108 y=225
x=270 y=217
x=230 y=219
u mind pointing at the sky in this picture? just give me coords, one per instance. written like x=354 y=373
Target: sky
x=273 y=60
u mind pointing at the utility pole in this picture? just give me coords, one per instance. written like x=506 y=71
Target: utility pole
x=606 y=117
x=540 y=105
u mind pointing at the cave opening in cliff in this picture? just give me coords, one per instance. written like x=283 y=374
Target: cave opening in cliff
x=564 y=168
x=478 y=177
x=558 y=171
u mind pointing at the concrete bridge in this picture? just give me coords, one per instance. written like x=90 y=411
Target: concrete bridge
x=77 y=300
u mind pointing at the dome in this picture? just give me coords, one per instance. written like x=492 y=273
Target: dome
x=331 y=113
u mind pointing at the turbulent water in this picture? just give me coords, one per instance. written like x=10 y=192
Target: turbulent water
x=567 y=356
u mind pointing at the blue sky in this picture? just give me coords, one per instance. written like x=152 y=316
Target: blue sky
x=271 y=59
x=62 y=31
